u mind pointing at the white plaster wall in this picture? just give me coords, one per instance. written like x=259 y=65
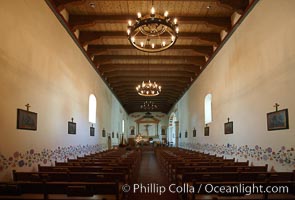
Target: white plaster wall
x=254 y=70
x=41 y=65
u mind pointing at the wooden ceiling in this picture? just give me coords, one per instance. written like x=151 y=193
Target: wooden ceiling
x=100 y=28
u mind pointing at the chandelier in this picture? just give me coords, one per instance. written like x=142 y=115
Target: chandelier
x=148 y=105
x=148 y=89
x=153 y=32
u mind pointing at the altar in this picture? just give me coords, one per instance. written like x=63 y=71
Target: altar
x=148 y=126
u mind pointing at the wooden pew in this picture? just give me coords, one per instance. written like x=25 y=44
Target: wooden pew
x=71 y=189
x=70 y=176
x=265 y=179
x=184 y=169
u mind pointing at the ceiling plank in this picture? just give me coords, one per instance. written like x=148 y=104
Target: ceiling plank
x=60 y=4
x=132 y=86
x=87 y=37
x=82 y=21
x=237 y=5
x=98 y=49
x=104 y=59
x=154 y=74
x=144 y=67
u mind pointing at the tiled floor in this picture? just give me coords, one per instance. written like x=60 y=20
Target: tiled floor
x=151 y=181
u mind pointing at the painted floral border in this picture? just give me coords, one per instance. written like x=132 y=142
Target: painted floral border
x=284 y=156
x=46 y=156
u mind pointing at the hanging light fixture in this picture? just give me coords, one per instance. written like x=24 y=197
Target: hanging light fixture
x=148 y=105
x=153 y=32
x=148 y=89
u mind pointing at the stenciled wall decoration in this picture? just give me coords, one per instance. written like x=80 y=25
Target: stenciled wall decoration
x=283 y=156
x=45 y=156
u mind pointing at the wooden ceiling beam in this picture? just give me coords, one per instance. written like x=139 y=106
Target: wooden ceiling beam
x=161 y=104
x=141 y=78
x=60 y=4
x=129 y=100
x=151 y=73
x=125 y=86
x=164 y=91
x=63 y=3
x=237 y=5
x=98 y=49
x=82 y=21
x=104 y=59
x=88 y=37
x=113 y=84
x=144 y=67
x=172 y=95
x=158 y=103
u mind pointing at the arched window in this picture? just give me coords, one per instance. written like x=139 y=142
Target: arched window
x=208 y=108
x=123 y=126
x=92 y=109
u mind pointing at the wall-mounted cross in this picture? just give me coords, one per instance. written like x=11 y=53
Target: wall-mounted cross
x=28 y=107
x=276 y=106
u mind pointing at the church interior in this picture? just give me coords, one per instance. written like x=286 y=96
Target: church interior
x=147 y=99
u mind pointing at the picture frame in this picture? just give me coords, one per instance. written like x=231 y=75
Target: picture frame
x=229 y=128
x=194 y=133
x=277 y=120
x=206 y=131
x=103 y=132
x=71 y=128
x=92 y=130
x=26 y=120
x=163 y=132
x=132 y=132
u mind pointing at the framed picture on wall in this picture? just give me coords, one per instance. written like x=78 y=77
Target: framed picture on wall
x=194 y=132
x=206 y=131
x=228 y=128
x=277 y=120
x=103 y=133
x=132 y=132
x=92 y=129
x=26 y=120
x=163 y=131
x=71 y=128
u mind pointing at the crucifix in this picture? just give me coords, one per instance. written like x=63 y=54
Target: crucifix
x=147 y=129
x=28 y=107
x=276 y=106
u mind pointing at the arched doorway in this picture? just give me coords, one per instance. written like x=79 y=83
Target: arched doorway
x=171 y=130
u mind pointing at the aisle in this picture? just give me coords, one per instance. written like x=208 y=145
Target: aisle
x=152 y=180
